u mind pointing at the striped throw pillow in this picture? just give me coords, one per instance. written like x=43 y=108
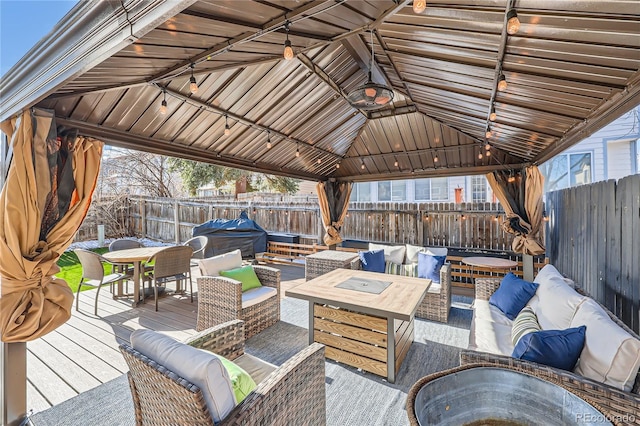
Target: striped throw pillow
x=526 y=322
x=408 y=270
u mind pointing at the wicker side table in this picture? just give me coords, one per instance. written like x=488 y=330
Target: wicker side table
x=325 y=261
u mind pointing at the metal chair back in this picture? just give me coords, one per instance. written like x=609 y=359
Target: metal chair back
x=199 y=245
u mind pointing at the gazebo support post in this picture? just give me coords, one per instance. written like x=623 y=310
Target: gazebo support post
x=527 y=267
x=14 y=383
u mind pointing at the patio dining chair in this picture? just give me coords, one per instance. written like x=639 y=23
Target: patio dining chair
x=170 y=264
x=174 y=383
x=124 y=244
x=93 y=274
x=199 y=245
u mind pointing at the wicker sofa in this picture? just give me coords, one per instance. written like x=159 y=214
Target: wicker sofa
x=437 y=302
x=487 y=346
x=293 y=393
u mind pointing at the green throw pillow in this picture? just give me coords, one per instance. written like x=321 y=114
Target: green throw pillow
x=241 y=381
x=246 y=275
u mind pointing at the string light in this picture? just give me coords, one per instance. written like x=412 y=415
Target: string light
x=489 y=133
x=493 y=115
x=269 y=140
x=227 y=129
x=337 y=165
x=362 y=165
x=297 y=151
x=435 y=158
x=193 y=86
x=511 y=178
x=419 y=6
x=163 y=105
x=319 y=161
x=395 y=163
x=480 y=156
x=288 y=50
x=513 y=23
x=487 y=146
x=502 y=83
x=488 y=153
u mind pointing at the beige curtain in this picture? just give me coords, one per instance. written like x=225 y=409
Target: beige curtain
x=333 y=198
x=522 y=203
x=45 y=198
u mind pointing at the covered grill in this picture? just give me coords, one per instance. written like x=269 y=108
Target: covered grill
x=226 y=235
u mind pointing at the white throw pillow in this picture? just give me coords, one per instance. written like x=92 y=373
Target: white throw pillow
x=393 y=254
x=555 y=302
x=201 y=368
x=610 y=354
x=211 y=266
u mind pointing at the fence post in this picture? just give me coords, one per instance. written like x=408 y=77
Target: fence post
x=143 y=218
x=176 y=221
x=320 y=226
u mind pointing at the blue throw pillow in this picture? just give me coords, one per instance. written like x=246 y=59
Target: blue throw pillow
x=429 y=266
x=512 y=295
x=372 y=261
x=555 y=348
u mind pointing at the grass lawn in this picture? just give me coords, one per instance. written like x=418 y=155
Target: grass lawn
x=71 y=270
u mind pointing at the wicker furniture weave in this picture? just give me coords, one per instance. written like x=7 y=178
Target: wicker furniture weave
x=293 y=394
x=613 y=400
x=437 y=302
x=325 y=261
x=220 y=300
x=171 y=264
x=413 y=392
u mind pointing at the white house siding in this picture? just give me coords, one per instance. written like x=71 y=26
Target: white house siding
x=604 y=143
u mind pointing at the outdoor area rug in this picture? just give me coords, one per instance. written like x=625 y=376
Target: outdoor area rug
x=353 y=397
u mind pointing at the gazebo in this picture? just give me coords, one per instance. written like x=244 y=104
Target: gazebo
x=337 y=91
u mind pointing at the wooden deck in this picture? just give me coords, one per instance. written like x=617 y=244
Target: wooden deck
x=83 y=353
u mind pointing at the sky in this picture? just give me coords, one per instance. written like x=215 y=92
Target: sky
x=23 y=23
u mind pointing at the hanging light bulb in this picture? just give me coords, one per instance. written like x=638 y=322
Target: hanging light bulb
x=297 y=151
x=395 y=164
x=493 y=115
x=480 y=156
x=227 y=129
x=337 y=165
x=362 y=165
x=502 y=83
x=193 y=86
x=487 y=147
x=513 y=23
x=435 y=159
x=269 y=140
x=488 y=153
x=163 y=105
x=288 y=50
x=319 y=161
x=489 y=133
x=419 y=6
x=511 y=178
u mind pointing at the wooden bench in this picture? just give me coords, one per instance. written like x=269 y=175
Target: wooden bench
x=289 y=253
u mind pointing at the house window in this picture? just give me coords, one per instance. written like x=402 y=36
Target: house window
x=361 y=192
x=567 y=170
x=478 y=189
x=395 y=190
x=436 y=189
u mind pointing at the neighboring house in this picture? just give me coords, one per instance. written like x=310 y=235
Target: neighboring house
x=611 y=153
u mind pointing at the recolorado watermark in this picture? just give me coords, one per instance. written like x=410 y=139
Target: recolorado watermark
x=601 y=418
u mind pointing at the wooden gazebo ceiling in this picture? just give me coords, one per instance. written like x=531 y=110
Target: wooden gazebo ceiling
x=572 y=68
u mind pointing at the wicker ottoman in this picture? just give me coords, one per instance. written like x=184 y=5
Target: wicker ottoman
x=325 y=261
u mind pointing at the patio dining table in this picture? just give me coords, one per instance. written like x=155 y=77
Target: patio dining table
x=135 y=256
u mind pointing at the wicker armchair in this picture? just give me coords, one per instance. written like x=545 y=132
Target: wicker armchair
x=437 y=302
x=293 y=394
x=220 y=300
x=614 y=401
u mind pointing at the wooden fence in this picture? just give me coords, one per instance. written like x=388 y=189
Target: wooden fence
x=466 y=225
x=594 y=238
